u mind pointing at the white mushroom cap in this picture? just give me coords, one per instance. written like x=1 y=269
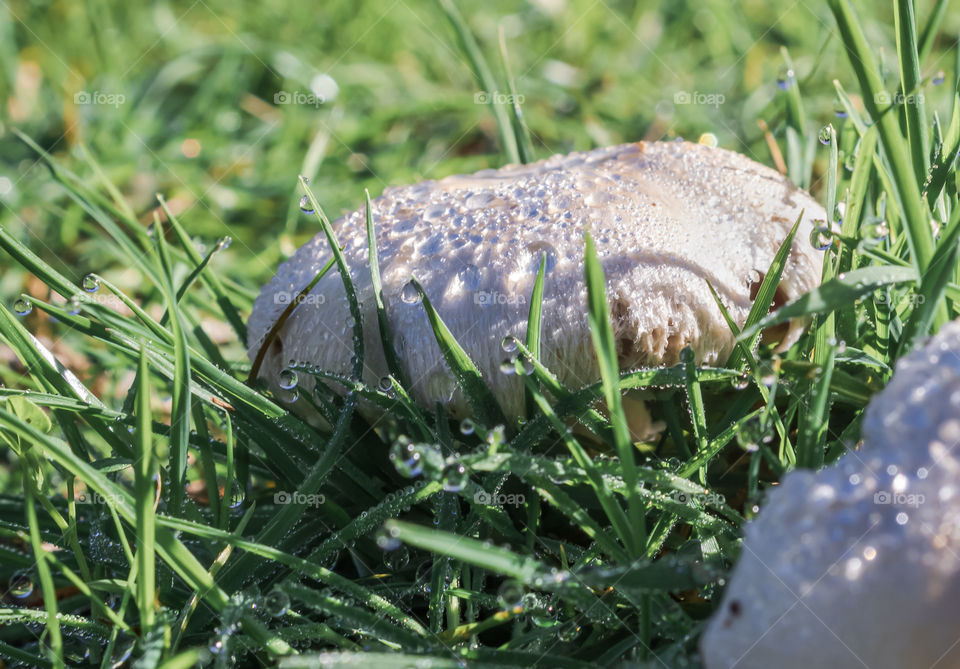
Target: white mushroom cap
x=666 y=217
x=859 y=565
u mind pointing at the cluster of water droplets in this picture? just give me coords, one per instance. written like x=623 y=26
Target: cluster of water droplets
x=514 y=363
x=412 y=459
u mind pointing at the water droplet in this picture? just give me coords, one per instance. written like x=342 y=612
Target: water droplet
x=305 y=206
x=91 y=283
x=786 y=79
x=387 y=539
x=466 y=426
x=277 y=602
x=509 y=366
x=874 y=231
x=840 y=112
x=409 y=293
x=537 y=250
x=568 y=632
x=543 y=615
x=527 y=365
x=224 y=243
x=22 y=306
x=397 y=559
x=236 y=494
x=938 y=78
x=406 y=458
x=385 y=385
x=288 y=379
x=21 y=585
x=479 y=200
x=509 y=344
x=470 y=277
x=708 y=139
x=740 y=382
x=752 y=433
x=510 y=595
x=454 y=477
x=825 y=133
x=821 y=237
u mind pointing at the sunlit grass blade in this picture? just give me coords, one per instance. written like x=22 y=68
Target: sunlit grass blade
x=180 y=412
x=815 y=421
x=602 y=334
x=944 y=162
x=469 y=378
x=52 y=618
x=535 y=322
x=929 y=33
x=282 y=319
x=933 y=284
x=610 y=505
x=765 y=296
x=210 y=279
x=876 y=100
x=144 y=488
x=520 y=130
x=835 y=294
x=484 y=77
x=386 y=334
x=353 y=303
x=905 y=25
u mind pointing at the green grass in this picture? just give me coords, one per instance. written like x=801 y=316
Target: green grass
x=157 y=508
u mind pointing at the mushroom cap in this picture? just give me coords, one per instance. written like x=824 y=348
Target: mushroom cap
x=665 y=216
x=859 y=564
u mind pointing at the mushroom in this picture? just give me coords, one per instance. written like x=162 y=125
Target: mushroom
x=666 y=217
x=858 y=565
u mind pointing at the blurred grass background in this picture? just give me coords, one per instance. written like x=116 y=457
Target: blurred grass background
x=219 y=106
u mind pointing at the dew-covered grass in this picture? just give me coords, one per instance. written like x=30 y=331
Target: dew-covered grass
x=157 y=509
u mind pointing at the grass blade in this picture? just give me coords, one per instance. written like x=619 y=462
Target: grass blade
x=835 y=294
x=144 y=488
x=386 y=334
x=876 y=100
x=479 y=396
x=484 y=77
x=602 y=334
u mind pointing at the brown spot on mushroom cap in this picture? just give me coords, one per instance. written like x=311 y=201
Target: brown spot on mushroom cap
x=666 y=217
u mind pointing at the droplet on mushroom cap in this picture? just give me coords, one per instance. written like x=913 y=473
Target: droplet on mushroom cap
x=666 y=218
